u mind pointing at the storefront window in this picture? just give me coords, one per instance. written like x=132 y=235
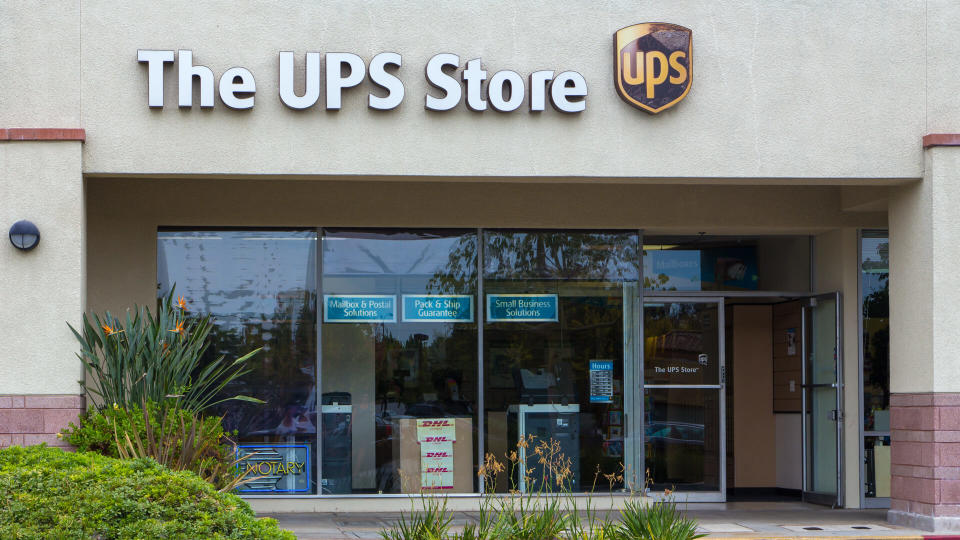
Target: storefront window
x=726 y=263
x=554 y=356
x=399 y=375
x=260 y=287
x=550 y=386
x=875 y=296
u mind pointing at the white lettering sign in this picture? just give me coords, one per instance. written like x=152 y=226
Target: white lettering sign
x=504 y=91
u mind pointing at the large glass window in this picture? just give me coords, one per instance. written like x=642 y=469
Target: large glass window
x=377 y=377
x=399 y=373
x=726 y=263
x=261 y=289
x=554 y=355
x=875 y=297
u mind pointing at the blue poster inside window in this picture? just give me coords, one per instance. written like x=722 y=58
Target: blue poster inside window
x=601 y=381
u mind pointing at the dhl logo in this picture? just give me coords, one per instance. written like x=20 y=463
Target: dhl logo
x=437 y=439
x=437 y=454
x=653 y=65
x=436 y=423
x=437 y=469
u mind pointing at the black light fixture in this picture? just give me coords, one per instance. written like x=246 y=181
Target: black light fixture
x=24 y=235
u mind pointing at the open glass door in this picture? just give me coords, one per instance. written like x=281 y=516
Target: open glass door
x=822 y=401
x=683 y=397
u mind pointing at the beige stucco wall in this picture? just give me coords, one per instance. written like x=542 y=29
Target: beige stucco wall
x=944 y=176
x=912 y=296
x=40 y=65
x=923 y=286
x=41 y=290
x=942 y=110
x=42 y=182
x=780 y=89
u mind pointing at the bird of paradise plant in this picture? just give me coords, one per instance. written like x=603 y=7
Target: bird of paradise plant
x=151 y=357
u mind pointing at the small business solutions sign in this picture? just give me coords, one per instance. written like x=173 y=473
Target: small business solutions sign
x=651 y=69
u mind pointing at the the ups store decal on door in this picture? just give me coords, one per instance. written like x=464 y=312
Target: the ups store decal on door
x=653 y=68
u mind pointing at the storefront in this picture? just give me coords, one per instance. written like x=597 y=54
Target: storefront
x=671 y=264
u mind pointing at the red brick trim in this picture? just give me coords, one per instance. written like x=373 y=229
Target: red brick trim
x=33 y=419
x=43 y=134
x=925 y=457
x=941 y=139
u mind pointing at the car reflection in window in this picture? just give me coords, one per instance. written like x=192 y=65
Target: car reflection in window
x=674 y=433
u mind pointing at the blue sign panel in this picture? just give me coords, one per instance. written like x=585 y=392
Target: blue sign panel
x=522 y=307
x=275 y=468
x=440 y=308
x=601 y=381
x=672 y=270
x=731 y=268
x=359 y=308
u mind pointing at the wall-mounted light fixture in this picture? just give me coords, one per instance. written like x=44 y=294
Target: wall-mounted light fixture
x=24 y=235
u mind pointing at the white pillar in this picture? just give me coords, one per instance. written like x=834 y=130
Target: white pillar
x=925 y=345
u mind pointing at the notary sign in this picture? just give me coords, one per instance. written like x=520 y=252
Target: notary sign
x=653 y=68
x=275 y=468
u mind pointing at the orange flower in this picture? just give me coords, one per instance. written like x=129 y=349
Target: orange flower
x=110 y=330
x=179 y=328
x=181 y=303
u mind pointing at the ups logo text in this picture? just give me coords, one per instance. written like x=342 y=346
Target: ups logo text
x=653 y=65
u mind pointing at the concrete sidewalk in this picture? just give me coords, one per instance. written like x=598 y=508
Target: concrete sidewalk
x=729 y=520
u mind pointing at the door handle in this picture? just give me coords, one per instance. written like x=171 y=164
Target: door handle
x=836 y=415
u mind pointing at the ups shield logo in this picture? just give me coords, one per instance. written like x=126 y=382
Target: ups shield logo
x=653 y=65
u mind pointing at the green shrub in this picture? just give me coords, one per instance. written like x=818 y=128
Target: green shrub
x=659 y=520
x=432 y=523
x=96 y=430
x=210 y=452
x=49 y=493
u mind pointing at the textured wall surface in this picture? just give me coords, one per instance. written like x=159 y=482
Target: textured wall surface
x=28 y=420
x=925 y=460
x=923 y=294
x=40 y=65
x=41 y=290
x=780 y=89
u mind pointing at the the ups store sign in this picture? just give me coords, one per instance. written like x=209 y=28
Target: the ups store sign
x=652 y=69
x=653 y=66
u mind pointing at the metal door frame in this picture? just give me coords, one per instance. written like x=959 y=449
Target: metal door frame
x=806 y=494
x=651 y=297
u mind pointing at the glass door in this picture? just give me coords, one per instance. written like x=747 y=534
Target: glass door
x=683 y=401
x=822 y=401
